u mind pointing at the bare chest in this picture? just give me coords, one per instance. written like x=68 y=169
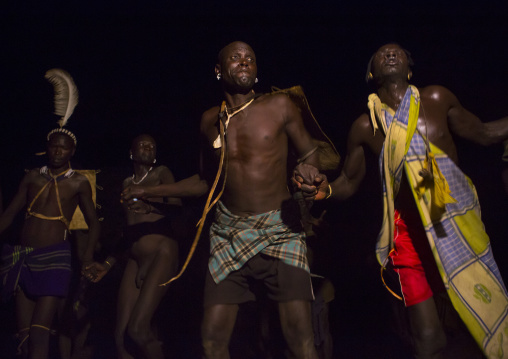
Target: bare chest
x=248 y=135
x=49 y=197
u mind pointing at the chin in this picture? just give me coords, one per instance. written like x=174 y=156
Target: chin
x=245 y=86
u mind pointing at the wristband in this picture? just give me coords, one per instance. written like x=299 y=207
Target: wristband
x=329 y=194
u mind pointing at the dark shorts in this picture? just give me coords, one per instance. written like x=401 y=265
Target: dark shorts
x=281 y=281
x=133 y=233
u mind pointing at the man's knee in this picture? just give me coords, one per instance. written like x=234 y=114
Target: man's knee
x=213 y=336
x=139 y=332
x=167 y=252
x=214 y=340
x=214 y=348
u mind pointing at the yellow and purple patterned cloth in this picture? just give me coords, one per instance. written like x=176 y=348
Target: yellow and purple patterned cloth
x=44 y=271
x=453 y=226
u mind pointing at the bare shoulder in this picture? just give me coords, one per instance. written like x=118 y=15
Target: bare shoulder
x=281 y=105
x=278 y=100
x=164 y=174
x=209 y=118
x=34 y=172
x=162 y=171
x=437 y=93
x=127 y=182
x=32 y=175
x=361 y=129
x=80 y=180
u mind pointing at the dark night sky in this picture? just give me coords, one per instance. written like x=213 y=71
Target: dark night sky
x=144 y=66
x=148 y=67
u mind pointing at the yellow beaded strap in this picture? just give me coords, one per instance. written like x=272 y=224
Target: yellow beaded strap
x=42 y=216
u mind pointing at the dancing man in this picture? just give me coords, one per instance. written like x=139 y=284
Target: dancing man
x=432 y=234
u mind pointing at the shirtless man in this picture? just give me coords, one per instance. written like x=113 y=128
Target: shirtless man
x=440 y=116
x=153 y=254
x=256 y=199
x=38 y=270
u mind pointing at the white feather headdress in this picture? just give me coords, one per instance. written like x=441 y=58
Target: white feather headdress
x=66 y=98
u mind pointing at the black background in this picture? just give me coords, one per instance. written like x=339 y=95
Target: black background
x=147 y=67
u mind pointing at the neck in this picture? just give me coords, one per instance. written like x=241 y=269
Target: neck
x=392 y=91
x=59 y=170
x=140 y=169
x=238 y=99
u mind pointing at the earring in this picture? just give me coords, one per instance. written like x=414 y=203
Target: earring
x=131 y=156
x=409 y=76
x=370 y=76
x=256 y=80
x=218 y=76
x=154 y=160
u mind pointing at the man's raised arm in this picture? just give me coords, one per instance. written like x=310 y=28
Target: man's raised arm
x=468 y=126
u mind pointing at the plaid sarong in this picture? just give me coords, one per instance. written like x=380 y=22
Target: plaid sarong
x=44 y=271
x=457 y=237
x=234 y=240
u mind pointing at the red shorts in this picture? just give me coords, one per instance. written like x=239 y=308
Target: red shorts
x=407 y=264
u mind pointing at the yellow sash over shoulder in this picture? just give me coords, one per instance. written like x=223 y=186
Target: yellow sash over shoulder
x=450 y=213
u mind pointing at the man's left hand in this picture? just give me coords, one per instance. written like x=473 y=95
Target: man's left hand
x=314 y=185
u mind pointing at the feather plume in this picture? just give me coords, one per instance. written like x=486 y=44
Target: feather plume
x=66 y=93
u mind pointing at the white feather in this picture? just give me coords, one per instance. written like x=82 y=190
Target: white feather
x=66 y=93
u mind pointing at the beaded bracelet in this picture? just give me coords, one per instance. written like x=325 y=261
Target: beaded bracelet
x=329 y=194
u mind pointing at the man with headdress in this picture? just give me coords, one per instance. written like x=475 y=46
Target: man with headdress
x=432 y=235
x=256 y=235
x=38 y=269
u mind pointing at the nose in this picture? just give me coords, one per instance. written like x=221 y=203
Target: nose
x=244 y=61
x=390 y=54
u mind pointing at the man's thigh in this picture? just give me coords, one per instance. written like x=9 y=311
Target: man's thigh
x=286 y=283
x=295 y=317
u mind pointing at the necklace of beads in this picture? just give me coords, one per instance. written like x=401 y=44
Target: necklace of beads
x=142 y=178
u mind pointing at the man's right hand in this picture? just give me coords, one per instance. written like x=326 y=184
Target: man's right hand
x=95 y=272
x=314 y=185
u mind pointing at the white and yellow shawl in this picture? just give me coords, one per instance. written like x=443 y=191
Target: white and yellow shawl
x=450 y=213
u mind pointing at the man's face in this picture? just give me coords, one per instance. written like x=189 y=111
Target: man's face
x=144 y=150
x=60 y=150
x=390 y=60
x=238 y=66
